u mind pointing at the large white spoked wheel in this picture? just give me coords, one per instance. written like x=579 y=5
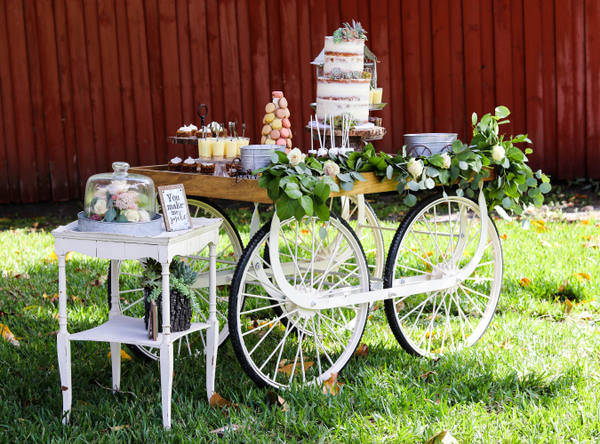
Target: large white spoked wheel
x=365 y=223
x=229 y=251
x=277 y=342
x=438 y=238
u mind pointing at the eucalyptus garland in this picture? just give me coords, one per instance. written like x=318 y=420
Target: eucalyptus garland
x=301 y=186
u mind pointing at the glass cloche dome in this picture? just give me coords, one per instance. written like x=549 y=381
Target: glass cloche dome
x=120 y=196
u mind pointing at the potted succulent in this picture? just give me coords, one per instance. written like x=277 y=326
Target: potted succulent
x=182 y=297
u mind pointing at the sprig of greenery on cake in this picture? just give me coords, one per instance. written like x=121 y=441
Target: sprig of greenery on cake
x=347 y=33
x=336 y=122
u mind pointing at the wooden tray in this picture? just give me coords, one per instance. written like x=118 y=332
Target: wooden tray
x=247 y=190
x=184 y=140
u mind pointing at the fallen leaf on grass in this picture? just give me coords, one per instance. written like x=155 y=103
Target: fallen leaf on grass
x=442 y=438
x=332 y=386
x=21 y=275
x=115 y=428
x=217 y=401
x=505 y=344
x=362 y=351
x=545 y=243
x=288 y=369
x=563 y=286
x=504 y=236
x=400 y=306
x=582 y=276
x=540 y=226
x=32 y=307
x=426 y=374
x=97 y=282
x=277 y=400
x=7 y=334
x=585 y=316
x=568 y=306
x=124 y=355
x=525 y=282
x=585 y=222
x=594 y=244
x=220 y=432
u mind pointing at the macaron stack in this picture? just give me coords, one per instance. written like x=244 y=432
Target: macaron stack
x=276 y=123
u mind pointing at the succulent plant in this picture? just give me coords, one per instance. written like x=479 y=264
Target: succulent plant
x=348 y=32
x=181 y=275
x=336 y=72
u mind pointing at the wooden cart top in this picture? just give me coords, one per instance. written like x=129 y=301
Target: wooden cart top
x=245 y=190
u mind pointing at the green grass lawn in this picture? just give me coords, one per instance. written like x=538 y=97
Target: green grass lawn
x=533 y=378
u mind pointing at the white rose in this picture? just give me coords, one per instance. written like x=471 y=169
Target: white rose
x=100 y=193
x=498 y=153
x=144 y=216
x=415 y=168
x=447 y=161
x=331 y=168
x=133 y=215
x=100 y=208
x=117 y=187
x=296 y=156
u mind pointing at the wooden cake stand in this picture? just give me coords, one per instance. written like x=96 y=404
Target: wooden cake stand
x=356 y=137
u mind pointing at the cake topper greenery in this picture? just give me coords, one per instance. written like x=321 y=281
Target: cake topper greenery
x=347 y=32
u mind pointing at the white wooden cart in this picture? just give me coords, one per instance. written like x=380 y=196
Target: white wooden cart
x=296 y=299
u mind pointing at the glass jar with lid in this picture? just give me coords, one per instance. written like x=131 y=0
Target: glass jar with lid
x=120 y=197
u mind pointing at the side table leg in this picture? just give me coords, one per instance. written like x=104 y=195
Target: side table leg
x=115 y=355
x=212 y=334
x=166 y=350
x=63 y=345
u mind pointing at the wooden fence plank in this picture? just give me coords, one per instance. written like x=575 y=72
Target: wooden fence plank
x=21 y=99
x=413 y=86
x=9 y=183
x=109 y=48
x=230 y=60
x=217 y=106
x=275 y=54
x=52 y=103
x=37 y=102
x=318 y=24
x=246 y=73
x=130 y=137
x=472 y=56
x=592 y=49
x=260 y=65
x=67 y=100
x=200 y=58
x=169 y=83
x=380 y=47
x=442 y=74
x=307 y=72
x=92 y=34
x=152 y=16
x=334 y=20
x=518 y=116
x=565 y=88
x=460 y=115
x=550 y=161
x=579 y=152
x=534 y=87
x=488 y=84
x=140 y=75
x=184 y=21
x=349 y=11
x=504 y=60
x=426 y=65
x=81 y=91
x=395 y=97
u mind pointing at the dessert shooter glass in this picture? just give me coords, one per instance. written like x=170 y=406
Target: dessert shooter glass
x=241 y=141
x=231 y=146
x=377 y=94
x=205 y=148
x=218 y=149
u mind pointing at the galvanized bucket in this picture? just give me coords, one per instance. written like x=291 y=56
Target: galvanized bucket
x=426 y=144
x=258 y=156
x=152 y=228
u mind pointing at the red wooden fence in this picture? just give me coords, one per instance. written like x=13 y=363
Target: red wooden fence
x=86 y=82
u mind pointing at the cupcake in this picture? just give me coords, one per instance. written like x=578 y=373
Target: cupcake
x=193 y=129
x=175 y=164
x=189 y=166
x=184 y=131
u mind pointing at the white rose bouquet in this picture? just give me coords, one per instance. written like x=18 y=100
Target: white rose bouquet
x=118 y=202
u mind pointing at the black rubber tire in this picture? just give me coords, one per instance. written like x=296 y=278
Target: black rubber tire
x=257 y=240
x=390 y=309
x=134 y=348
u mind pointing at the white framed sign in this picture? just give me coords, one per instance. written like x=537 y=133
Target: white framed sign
x=176 y=212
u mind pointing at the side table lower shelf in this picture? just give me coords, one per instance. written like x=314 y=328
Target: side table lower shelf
x=128 y=330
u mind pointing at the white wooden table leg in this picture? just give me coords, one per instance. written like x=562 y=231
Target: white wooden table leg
x=115 y=304
x=166 y=350
x=212 y=334
x=63 y=345
x=115 y=355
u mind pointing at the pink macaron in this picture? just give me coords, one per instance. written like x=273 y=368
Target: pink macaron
x=286 y=123
x=281 y=142
x=284 y=132
x=280 y=113
x=275 y=134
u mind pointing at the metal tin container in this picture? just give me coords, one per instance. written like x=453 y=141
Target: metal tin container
x=152 y=228
x=426 y=144
x=258 y=156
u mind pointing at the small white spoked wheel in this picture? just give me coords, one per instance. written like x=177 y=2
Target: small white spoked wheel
x=365 y=224
x=438 y=238
x=277 y=342
x=229 y=251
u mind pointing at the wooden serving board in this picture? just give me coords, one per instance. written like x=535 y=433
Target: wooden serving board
x=184 y=140
x=247 y=190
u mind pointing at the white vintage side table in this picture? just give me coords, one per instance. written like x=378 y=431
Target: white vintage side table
x=128 y=330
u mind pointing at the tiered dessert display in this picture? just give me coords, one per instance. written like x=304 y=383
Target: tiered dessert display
x=346 y=89
x=276 y=128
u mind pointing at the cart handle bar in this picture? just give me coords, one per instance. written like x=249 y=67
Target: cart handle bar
x=351 y=297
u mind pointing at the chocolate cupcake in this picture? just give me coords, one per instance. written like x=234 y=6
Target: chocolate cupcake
x=175 y=164
x=189 y=166
x=207 y=168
